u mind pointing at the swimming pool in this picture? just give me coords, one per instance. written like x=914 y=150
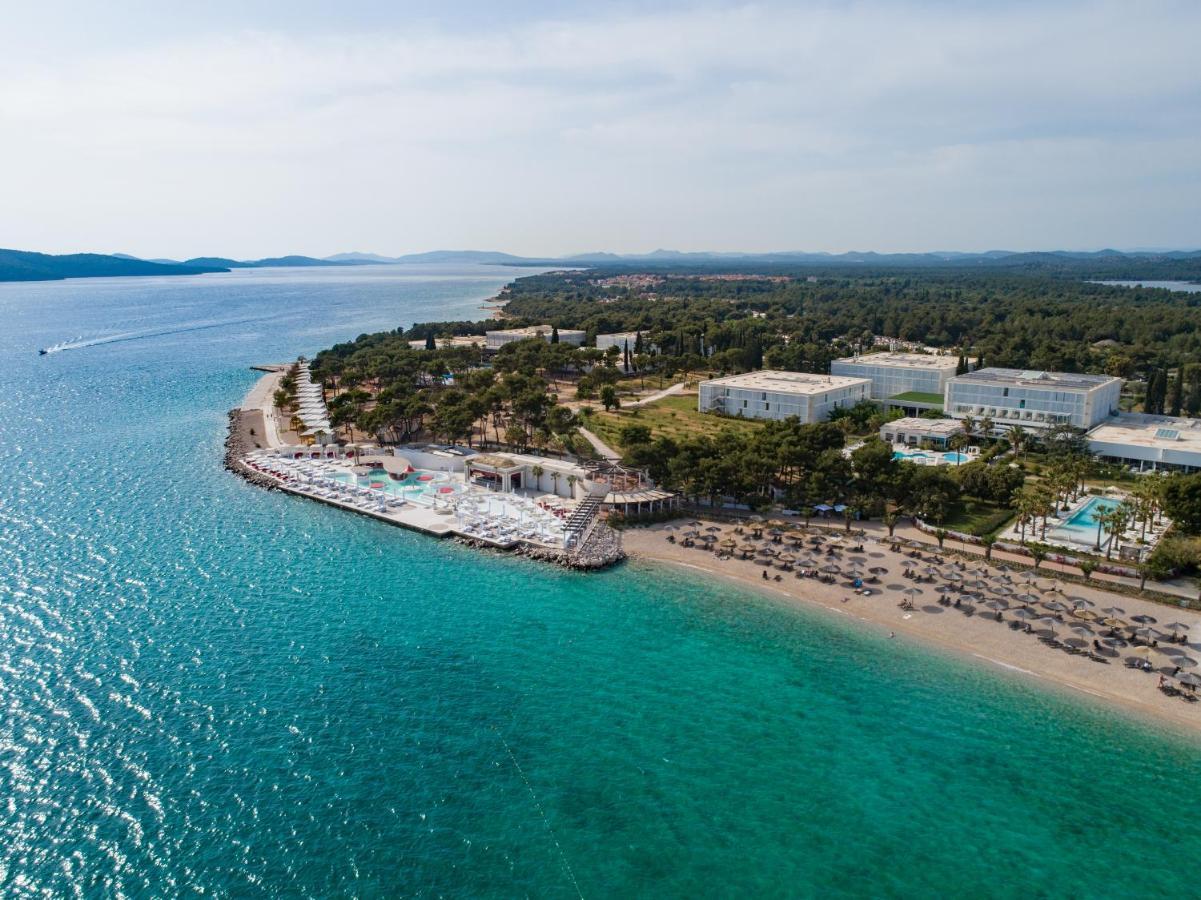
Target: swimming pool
x=414 y=485
x=953 y=457
x=911 y=454
x=1081 y=526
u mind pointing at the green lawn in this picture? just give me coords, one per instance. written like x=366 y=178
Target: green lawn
x=978 y=517
x=675 y=417
x=918 y=397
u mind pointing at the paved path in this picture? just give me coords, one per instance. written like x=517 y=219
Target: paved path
x=657 y=395
x=600 y=446
x=604 y=449
x=1181 y=587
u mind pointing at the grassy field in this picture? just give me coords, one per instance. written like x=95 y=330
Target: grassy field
x=977 y=517
x=675 y=417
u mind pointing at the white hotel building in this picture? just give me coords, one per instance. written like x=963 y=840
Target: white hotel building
x=494 y=340
x=777 y=395
x=621 y=340
x=1149 y=443
x=1034 y=400
x=921 y=376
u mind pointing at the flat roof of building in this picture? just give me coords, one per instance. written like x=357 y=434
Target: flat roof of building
x=945 y=427
x=788 y=382
x=1064 y=381
x=899 y=360
x=1142 y=430
x=534 y=330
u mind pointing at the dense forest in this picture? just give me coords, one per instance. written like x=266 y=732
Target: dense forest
x=802 y=322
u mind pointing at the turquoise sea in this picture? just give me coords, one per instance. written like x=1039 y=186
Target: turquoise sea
x=208 y=688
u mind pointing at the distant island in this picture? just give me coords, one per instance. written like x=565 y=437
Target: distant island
x=26 y=265
x=23 y=265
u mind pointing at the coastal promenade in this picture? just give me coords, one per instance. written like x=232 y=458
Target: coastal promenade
x=978 y=636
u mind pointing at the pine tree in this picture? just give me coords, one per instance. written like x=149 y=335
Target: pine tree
x=430 y=343
x=1176 y=397
x=554 y=334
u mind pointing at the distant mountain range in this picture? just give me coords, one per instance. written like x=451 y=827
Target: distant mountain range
x=21 y=265
x=938 y=258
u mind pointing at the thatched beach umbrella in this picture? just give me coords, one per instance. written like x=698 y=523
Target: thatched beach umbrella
x=1190 y=679
x=1050 y=622
x=1144 y=619
x=1176 y=626
x=912 y=591
x=831 y=569
x=1180 y=660
x=879 y=570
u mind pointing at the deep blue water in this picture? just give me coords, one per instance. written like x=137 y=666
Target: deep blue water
x=210 y=687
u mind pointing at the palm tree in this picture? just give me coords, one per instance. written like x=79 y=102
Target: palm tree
x=1019 y=439
x=571 y=482
x=940 y=535
x=957 y=442
x=1027 y=506
x=987 y=543
x=986 y=427
x=969 y=424
x=1115 y=523
x=890 y=519
x=1038 y=552
x=1087 y=567
x=536 y=471
x=554 y=477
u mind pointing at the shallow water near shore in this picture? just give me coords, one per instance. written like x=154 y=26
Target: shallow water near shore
x=207 y=685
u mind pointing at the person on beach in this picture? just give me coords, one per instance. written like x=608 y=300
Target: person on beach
x=892 y=634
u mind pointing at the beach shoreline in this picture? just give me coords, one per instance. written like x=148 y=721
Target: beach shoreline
x=977 y=639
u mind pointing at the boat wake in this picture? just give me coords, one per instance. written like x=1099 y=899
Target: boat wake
x=80 y=343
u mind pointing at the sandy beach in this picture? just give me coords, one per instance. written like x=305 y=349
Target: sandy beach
x=978 y=636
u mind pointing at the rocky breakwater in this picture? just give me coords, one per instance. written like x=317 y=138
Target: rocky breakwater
x=600 y=549
x=239 y=442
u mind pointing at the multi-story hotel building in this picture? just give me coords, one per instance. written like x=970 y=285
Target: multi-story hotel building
x=770 y=394
x=494 y=340
x=1036 y=400
x=915 y=381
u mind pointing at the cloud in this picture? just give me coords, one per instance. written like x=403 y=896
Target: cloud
x=754 y=127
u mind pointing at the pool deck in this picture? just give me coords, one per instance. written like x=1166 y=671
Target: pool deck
x=258 y=411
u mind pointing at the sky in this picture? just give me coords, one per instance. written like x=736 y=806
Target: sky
x=255 y=129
